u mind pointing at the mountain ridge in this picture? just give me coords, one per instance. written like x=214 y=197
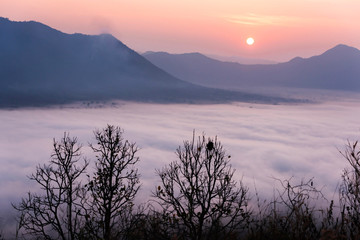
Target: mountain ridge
x=325 y=71
x=40 y=65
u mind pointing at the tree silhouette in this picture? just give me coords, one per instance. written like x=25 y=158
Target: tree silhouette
x=113 y=186
x=199 y=192
x=56 y=214
x=350 y=192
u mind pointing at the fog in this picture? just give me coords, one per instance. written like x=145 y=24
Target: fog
x=264 y=141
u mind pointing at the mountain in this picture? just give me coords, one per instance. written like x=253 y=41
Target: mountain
x=336 y=69
x=41 y=66
x=235 y=59
x=241 y=60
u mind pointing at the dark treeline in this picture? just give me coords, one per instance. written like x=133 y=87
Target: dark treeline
x=198 y=197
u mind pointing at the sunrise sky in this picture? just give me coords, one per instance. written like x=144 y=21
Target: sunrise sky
x=282 y=29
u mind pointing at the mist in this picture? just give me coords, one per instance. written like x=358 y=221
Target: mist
x=264 y=141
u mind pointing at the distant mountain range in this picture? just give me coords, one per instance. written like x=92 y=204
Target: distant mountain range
x=241 y=60
x=236 y=59
x=42 y=66
x=336 y=69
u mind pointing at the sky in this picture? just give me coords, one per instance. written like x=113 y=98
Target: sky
x=282 y=29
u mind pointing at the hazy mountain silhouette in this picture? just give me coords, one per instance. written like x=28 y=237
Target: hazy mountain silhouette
x=336 y=69
x=235 y=59
x=40 y=65
x=241 y=60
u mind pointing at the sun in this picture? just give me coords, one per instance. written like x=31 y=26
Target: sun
x=250 y=41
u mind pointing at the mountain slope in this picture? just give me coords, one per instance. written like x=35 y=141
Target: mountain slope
x=40 y=65
x=336 y=69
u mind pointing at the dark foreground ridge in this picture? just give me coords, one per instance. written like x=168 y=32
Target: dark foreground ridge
x=41 y=66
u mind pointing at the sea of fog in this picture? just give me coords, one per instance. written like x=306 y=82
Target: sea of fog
x=264 y=141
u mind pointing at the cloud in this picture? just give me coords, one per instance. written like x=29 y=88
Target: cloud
x=264 y=141
x=261 y=20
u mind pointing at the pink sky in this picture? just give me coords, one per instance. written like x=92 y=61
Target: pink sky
x=282 y=29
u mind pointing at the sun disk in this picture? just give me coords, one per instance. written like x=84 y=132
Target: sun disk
x=250 y=41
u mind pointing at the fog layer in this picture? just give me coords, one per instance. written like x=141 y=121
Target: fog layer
x=264 y=141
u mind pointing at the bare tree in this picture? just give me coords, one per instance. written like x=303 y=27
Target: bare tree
x=56 y=214
x=198 y=190
x=114 y=184
x=350 y=192
x=294 y=212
